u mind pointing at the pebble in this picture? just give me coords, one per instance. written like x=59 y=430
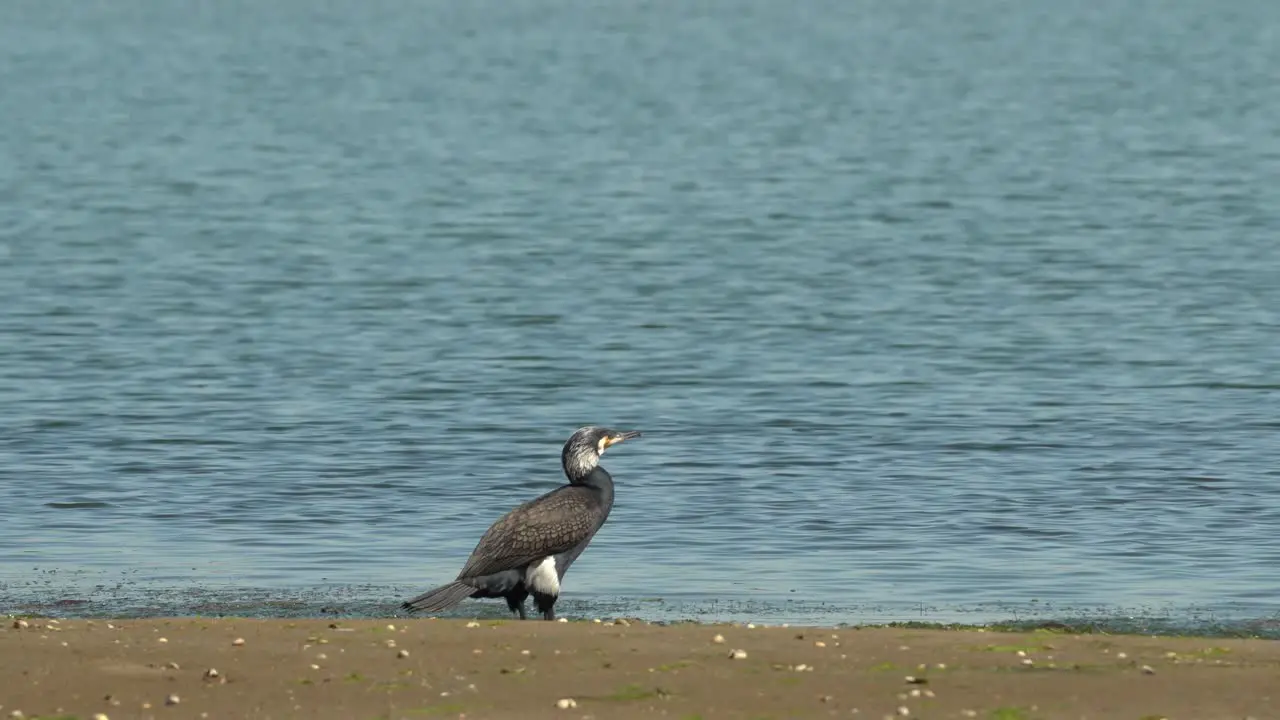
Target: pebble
x=751 y=626
x=1148 y=670
x=100 y=716
x=718 y=639
x=315 y=666
x=969 y=713
x=17 y=715
x=172 y=700
x=913 y=680
x=904 y=711
x=1022 y=653
x=20 y=625
x=1028 y=661
x=524 y=652
x=163 y=640
x=930 y=693
x=1122 y=655
x=322 y=656
x=211 y=673
x=392 y=628
x=597 y=621
x=402 y=654
x=802 y=667
x=563 y=620
x=915 y=692
x=390 y=643
x=941 y=666
x=737 y=654
x=819 y=644
x=174 y=666
x=473 y=624
x=477 y=651
x=825 y=698
x=566 y=703
x=238 y=642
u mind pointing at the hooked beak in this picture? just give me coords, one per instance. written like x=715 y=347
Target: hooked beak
x=624 y=435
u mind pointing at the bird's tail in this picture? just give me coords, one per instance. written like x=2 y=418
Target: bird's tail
x=442 y=598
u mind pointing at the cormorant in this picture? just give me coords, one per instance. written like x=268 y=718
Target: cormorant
x=528 y=550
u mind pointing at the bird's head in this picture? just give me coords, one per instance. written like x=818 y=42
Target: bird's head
x=582 y=452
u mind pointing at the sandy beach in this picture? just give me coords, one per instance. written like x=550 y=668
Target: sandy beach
x=435 y=668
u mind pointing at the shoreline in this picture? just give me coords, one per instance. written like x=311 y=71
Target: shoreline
x=395 y=667
x=369 y=601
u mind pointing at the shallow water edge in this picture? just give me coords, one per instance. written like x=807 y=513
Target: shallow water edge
x=140 y=600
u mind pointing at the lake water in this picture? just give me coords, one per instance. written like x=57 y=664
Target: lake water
x=928 y=310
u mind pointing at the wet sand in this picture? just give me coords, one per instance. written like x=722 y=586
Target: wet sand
x=436 y=668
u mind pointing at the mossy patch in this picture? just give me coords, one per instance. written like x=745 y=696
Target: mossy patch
x=1012 y=648
x=441 y=709
x=1009 y=713
x=635 y=691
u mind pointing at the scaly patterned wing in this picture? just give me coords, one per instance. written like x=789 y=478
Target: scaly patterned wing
x=546 y=526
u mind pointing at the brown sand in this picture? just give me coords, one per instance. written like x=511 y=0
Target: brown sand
x=507 y=669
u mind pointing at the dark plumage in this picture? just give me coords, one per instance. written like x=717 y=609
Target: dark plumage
x=528 y=550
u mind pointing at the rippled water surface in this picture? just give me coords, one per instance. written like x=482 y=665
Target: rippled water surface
x=927 y=309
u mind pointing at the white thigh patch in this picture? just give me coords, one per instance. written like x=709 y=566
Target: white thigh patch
x=542 y=577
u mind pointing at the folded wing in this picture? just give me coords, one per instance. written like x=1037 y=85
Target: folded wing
x=551 y=524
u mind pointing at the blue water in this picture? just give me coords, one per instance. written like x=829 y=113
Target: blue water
x=928 y=310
